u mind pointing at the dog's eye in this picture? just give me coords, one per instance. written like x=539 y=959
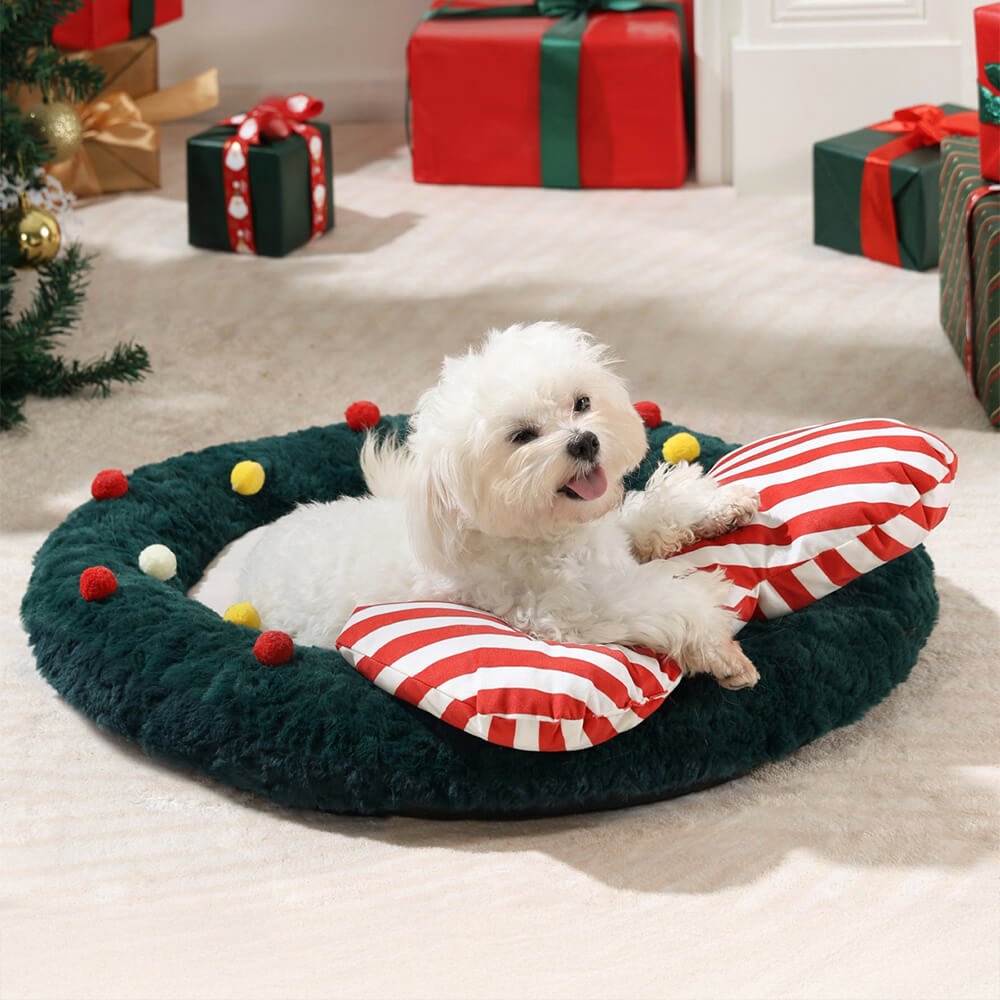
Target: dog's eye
x=582 y=404
x=524 y=435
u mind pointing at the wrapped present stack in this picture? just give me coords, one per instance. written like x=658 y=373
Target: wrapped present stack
x=121 y=141
x=970 y=229
x=559 y=93
x=262 y=182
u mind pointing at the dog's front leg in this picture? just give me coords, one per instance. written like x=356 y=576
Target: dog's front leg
x=680 y=617
x=681 y=505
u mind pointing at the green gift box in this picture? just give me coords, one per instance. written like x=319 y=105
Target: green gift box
x=279 y=209
x=875 y=191
x=970 y=268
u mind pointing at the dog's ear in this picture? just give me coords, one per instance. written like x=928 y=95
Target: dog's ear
x=437 y=514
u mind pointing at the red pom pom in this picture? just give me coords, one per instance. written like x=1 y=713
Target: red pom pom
x=362 y=415
x=273 y=648
x=97 y=582
x=650 y=413
x=109 y=485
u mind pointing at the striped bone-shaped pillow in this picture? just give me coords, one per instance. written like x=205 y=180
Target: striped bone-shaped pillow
x=837 y=500
x=478 y=673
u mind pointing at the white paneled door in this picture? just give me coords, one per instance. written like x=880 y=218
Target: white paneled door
x=774 y=76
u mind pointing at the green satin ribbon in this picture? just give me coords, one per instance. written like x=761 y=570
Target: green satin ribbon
x=143 y=14
x=560 y=73
x=989 y=103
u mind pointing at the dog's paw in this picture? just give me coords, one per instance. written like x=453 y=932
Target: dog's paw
x=732 y=507
x=729 y=665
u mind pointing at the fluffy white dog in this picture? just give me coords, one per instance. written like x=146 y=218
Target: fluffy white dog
x=507 y=495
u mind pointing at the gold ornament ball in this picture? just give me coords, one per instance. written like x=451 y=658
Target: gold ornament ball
x=35 y=233
x=56 y=126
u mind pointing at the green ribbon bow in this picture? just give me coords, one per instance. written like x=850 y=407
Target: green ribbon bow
x=989 y=103
x=560 y=73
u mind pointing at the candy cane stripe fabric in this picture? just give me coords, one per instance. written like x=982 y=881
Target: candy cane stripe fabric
x=837 y=500
x=474 y=671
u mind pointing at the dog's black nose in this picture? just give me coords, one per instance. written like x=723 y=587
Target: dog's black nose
x=584 y=446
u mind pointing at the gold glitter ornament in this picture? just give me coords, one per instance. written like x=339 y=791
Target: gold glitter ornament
x=57 y=127
x=33 y=231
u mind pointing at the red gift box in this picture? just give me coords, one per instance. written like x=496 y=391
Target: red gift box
x=104 y=22
x=988 y=58
x=476 y=87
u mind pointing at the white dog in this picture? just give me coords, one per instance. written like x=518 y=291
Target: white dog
x=507 y=496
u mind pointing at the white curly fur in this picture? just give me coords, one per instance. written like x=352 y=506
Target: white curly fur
x=477 y=506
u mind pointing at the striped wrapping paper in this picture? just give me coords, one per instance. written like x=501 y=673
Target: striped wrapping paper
x=837 y=500
x=475 y=672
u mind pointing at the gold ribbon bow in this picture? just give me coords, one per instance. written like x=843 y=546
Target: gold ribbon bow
x=118 y=129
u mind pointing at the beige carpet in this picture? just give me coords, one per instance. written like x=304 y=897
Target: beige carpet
x=866 y=865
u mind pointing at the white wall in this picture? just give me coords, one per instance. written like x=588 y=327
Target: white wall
x=349 y=53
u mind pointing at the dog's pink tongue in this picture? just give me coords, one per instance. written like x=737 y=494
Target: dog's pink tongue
x=591 y=486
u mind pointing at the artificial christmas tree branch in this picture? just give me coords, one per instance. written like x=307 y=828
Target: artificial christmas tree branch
x=128 y=363
x=28 y=363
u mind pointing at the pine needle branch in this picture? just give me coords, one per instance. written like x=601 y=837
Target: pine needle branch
x=28 y=363
x=128 y=363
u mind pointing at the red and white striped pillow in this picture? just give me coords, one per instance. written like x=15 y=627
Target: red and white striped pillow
x=480 y=674
x=837 y=500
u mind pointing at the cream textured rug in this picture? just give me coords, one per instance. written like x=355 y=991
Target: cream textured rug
x=866 y=865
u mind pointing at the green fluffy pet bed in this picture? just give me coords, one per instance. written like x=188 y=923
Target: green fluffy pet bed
x=125 y=645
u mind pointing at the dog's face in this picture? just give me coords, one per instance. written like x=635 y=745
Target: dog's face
x=525 y=436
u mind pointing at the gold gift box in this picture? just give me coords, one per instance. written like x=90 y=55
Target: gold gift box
x=121 y=138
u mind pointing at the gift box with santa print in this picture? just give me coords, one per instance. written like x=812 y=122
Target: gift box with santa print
x=987 y=21
x=558 y=93
x=875 y=191
x=102 y=22
x=262 y=182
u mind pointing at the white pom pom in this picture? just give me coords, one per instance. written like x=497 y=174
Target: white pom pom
x=158 y=561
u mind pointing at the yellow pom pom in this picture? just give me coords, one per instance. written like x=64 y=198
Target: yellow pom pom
x=682 y=447
x=158 y=562
x=243 y=613
x=247 y=478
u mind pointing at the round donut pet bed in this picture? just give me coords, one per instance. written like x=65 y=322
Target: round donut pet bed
x=166 y=672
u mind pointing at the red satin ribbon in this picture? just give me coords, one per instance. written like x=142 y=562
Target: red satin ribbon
x=274 y=118
x=916 y=126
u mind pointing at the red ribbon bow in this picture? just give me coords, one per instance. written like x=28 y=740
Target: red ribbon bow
x=275 y=118
x=917 y=126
